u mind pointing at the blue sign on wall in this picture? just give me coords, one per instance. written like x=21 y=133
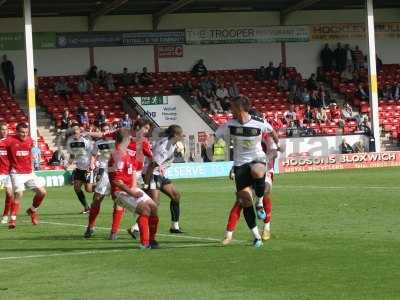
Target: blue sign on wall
x=199 y=170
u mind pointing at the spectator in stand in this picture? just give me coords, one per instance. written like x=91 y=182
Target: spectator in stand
x=126 y=78
x=145 y=78
x=396 y=91
x=321 y=116
x=7 y=68
x=233 y=90
x=387 y=92
x=312 y=83
x=280 y=71
x=358 y=58
x=347 y=75
x=270 y=72
x=283 y=84
x=345 y=147
x=66 y=121
x=327 y=58
x=202 y=101
x=365 y=126
x=315 y=100
x=136 y=79
x=36 y=156
x=84 y=120
x=308 y=115
x=84 y=86
x=57 y=159
x=215 y=103
x=335 y=112
x=102 y=77
x=81 y=109
x=109 y=83
x=361 y=93
x=347 y=112
x=222 y=92
x=199 y=69
x=276 y=122
x=290 y=115
x=340 y=56
x=304 y=95
x=321 y=77
x=349 y=56
x=324 y=96
x=36 y=79
x=62 y=89
x=379 y=64
x=126 y=121
x=92 y=75
x=292 y=129
x=101 y=118
x=261 y=74
x=188 y=88
x=177 y=88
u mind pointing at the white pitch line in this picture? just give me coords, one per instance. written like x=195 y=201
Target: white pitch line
x=387 y=188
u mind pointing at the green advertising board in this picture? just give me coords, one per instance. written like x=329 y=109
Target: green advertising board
x=54 y=178
x=16 y=40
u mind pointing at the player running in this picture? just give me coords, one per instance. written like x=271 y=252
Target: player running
x=250 y=161
x=127 y=195
x=101 y=151
x=20 y=156
x=5 y=179
x=80 y=149
x=154 y=175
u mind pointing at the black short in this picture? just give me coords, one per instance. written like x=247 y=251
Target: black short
x=83 y=176
x=243 y=178
x=158 y=182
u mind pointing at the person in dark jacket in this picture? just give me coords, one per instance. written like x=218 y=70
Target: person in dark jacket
x=7 y=69
x=327 y=58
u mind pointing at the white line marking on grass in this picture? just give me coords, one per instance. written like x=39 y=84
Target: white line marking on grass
x=388 y=188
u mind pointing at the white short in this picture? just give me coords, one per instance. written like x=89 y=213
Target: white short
x=103 y=185
x=5 y=181
x=22 y=181
x=129 y=202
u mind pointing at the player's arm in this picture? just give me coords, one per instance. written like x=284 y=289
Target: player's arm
x=149 y=173
x=271 y=131
x=159 y=158
x=126 y=189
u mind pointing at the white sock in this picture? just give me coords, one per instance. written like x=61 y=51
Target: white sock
x=260 y=202
x=256 y=233
x=175 y=225
x=267 y=226
x=229 y=235
x=135 y=227
x=33 y=208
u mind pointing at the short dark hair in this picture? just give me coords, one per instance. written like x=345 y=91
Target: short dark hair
x=172 y=130
x=22 y=125
x=241 y=101
x=75 y=124
x=3 y=124
x=141 y=123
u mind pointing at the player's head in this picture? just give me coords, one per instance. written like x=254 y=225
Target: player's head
x=22 y=131
x=76 y=129
x=239 y=105
x=3 y=130
x=105 y=128
x=174 y=132
x=143 y=127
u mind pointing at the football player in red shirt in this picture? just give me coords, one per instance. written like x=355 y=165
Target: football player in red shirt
x=127 y=195
x=20 y=156
x=5 y=179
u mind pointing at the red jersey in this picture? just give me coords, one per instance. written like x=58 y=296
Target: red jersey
x=4 y=161
x=20 y=155
x=146 y=148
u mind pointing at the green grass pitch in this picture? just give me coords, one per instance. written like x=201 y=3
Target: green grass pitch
x=335 y=236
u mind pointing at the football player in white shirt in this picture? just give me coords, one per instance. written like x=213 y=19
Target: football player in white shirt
x=80 y=148
x=250 y=161
x=102 y=150
x=154 y=178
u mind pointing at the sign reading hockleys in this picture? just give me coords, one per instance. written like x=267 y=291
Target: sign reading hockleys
x=339 y=162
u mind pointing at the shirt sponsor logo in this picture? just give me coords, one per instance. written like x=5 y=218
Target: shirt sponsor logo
x=22 y=153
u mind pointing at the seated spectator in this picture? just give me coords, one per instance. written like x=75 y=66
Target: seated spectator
x=136 y=79
x=222 y=92
x=207 y=85
x=324 y=96
x=290 y=115
x=57 y=159
x=315 y=100
x=308 y=115
x=126 y=122
x=361 y=93
x=347 y=112
x=283 y=84
x=126 y=78
x=347 y=75
x=276 y=122
x=84 y=86
x=396 y=91
x=233 y=90
x=321 y=116
x=304 y=95
x=335 y=112
x=84 y=120
x=202 y=101
x=270 y=72
x=379 y=64
x=66 y=121
x=292 y=130
x=280 y=71
x=36 y=156
x=345 y=147
x=188 y=88
x=358 y=58
x=387 y=92
x=102 y=77
x=177 y=88
x=101 y=118
x=215 y=103
x=199 y=69
x=92 y=75
x=145 y=78
x=312 y=83
x=365 y=126
x=359 y=147
x=109 y=83
x=81 y=109
x=261 y=74
x=62 y=89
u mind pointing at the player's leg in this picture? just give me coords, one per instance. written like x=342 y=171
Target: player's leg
x=144 y=211
x=8 y=199
x=78 y=182
x=258 y=173
x=40 y=194
x=118 y=213
x=94 y=212
x=174 y=206
x=153 y=223
x=267 y=203
x=233 y=219
x=18 y=185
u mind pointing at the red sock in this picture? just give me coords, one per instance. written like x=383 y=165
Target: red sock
x=7 y=205
x=153 y=226
x=268 y=208
x=234 y=217
x=14 y=208
x=37 y=200
x=143 y=222
x=117 y=217
x=94 y=212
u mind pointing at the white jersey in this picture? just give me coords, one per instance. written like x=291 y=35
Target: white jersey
x=81 y=149
x=246 y=139
x=163 y=155
x=102 y=149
